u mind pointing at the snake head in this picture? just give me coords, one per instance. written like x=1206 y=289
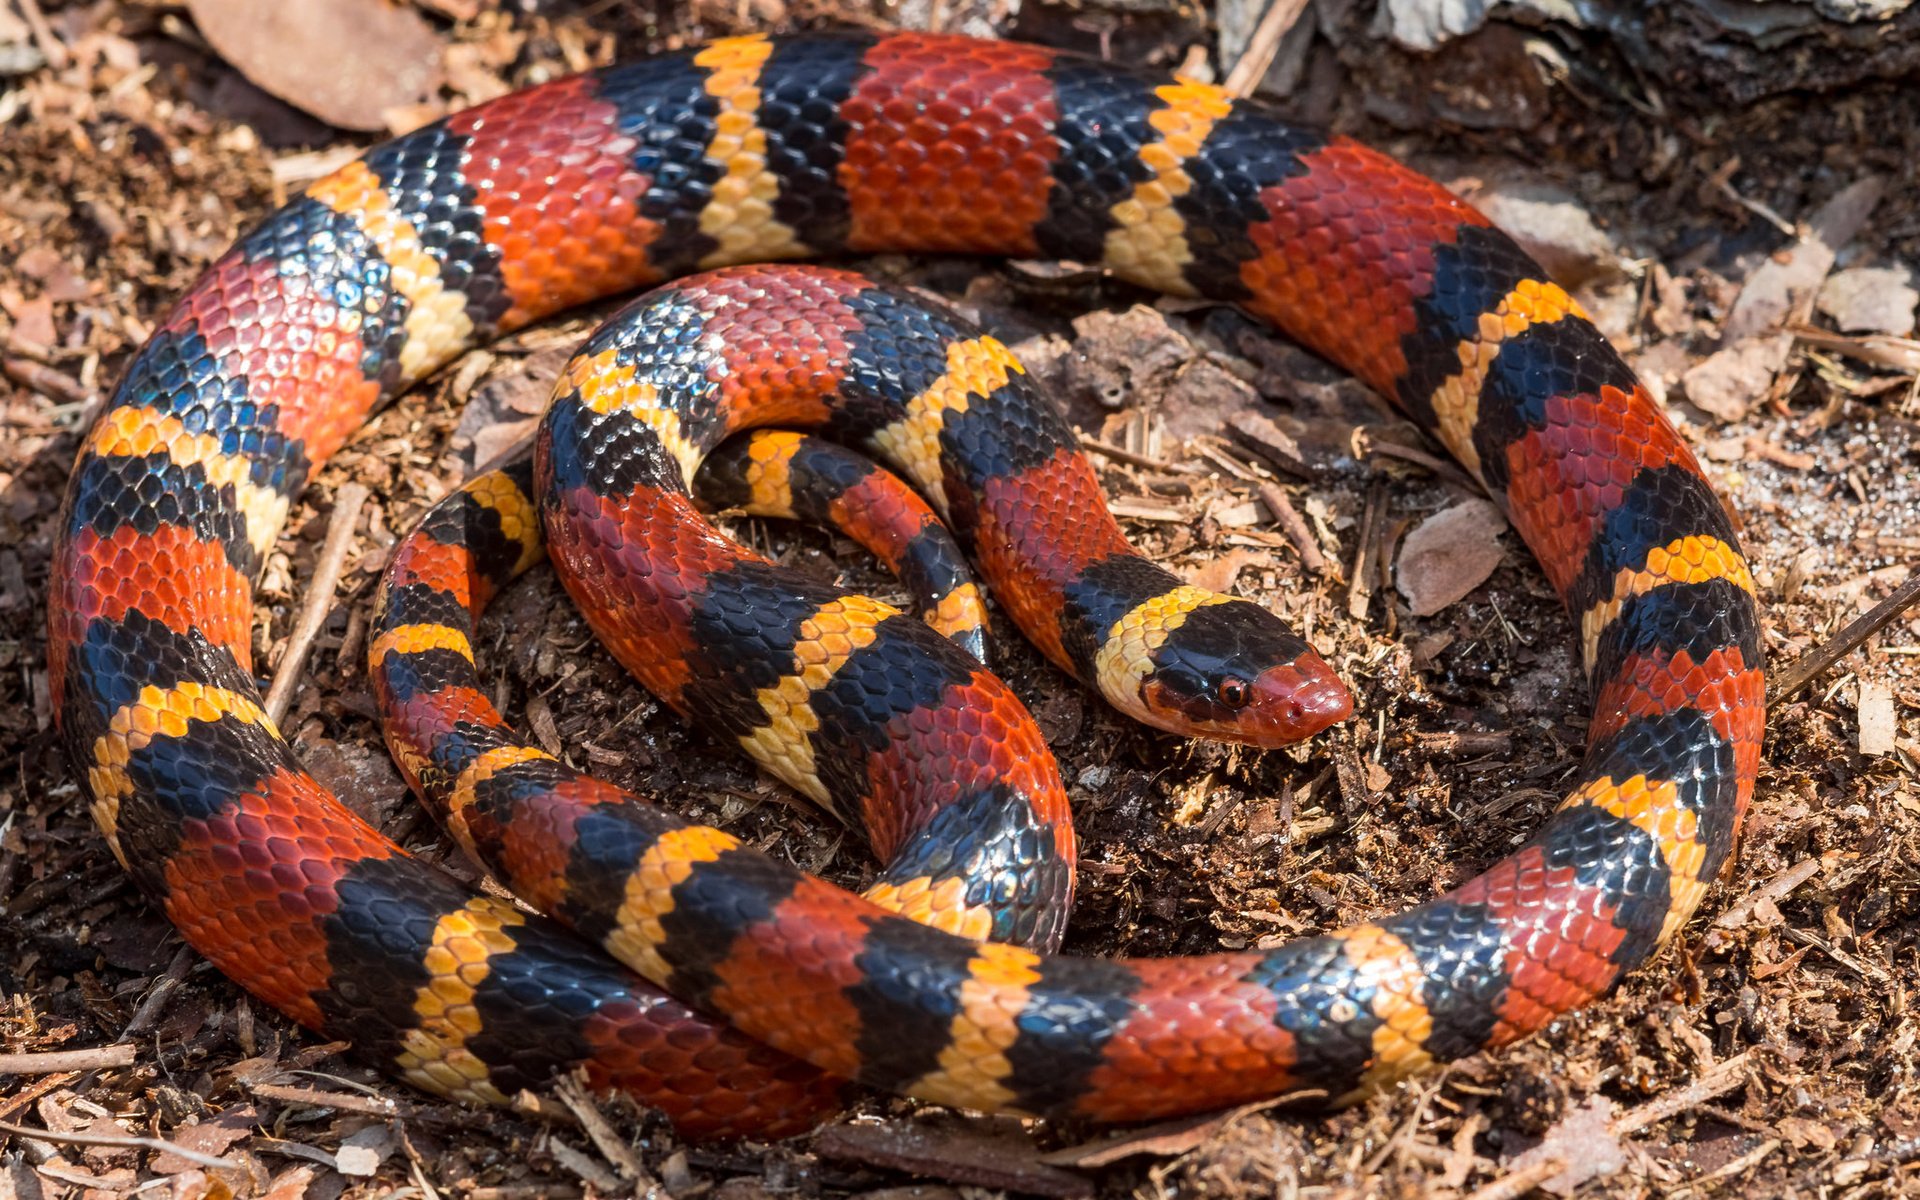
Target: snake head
x=1230 y=670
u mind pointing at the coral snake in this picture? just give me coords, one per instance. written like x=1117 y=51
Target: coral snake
x=753 y=149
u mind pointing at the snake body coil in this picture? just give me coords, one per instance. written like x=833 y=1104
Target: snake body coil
x=752 y=149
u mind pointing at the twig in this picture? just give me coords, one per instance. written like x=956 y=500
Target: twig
x=1874 y=349
x=52 y=1062
x=372 y=1106
x=319 y=597
x=13 y=343
x=1465 y=743
x=1360 y=585
x=1860 y=967
x=1281 y=15
x=291 y=1149
x=590 y=1172
x=52 y=47
x=48 y=382
x=1755 y=207
x=1737 y=1167
x=123 y=1141
x=1121 y=454
x=1775 y=889
x=1512 y=1187
x=611 y=1146
x=1377 y=448
x=1718 y=1080
x=1814 y=661
x=156 y=1001
x=1293 y=525
x=1402 y=1135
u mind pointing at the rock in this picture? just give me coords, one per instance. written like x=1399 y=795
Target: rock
x=1425 y=24
x=1870 y=300
x=1861 y=10
x=1449 y=554
x=1553 y=226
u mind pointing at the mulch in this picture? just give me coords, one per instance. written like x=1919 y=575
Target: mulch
x=1769 y=1051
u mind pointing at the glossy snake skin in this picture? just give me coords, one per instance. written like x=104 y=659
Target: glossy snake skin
x=753 y=149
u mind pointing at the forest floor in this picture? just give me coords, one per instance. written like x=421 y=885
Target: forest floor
x=1770 y=1050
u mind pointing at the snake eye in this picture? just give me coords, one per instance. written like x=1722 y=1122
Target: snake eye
x=1233 y=692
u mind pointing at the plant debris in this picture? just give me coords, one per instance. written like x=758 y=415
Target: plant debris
x=1705 y=166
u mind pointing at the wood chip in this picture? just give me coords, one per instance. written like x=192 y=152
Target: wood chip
x=1878 y=725
x=1270 y=442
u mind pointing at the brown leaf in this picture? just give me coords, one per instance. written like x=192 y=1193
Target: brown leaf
x=1581 y=1143
x=1777 y=286
x=1729 y=381
x=291 y=1184
x=1449 y=554
x=1871 y=300
x=1218 y=575
x=348 y=62
x=208 y=1137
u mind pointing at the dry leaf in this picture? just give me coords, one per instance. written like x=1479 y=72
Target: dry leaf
x=1728 y=382
x=1870 y=300
x=1218 y=575
x=1449 y=554
x=355 y=59
x=1581 y=1143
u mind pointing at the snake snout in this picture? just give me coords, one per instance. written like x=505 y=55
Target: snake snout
x=1302 y=698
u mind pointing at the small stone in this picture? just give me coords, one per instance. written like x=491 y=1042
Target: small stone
x=1552 y=225
x=1426 y=24
x=356 y=1160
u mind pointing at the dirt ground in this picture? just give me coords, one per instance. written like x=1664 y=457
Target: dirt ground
x=1695 y=197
